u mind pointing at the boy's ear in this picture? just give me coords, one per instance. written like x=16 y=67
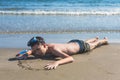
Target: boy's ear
x=44 y=45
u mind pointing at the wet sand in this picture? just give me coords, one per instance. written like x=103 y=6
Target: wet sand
x=103 y=63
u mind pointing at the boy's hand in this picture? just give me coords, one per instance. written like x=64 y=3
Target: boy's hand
x=51 y=66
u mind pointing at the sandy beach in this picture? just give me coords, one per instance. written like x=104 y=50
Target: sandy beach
x=59 y=21
x=99 y=64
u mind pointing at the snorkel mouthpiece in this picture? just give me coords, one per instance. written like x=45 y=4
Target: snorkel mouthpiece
x=23 y=52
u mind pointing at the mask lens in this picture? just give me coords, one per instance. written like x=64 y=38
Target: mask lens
x=33 y=42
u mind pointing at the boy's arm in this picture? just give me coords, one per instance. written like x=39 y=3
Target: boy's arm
x=66 y=59
x=59 y=62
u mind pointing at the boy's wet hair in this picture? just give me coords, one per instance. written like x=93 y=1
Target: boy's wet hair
x=35 y=40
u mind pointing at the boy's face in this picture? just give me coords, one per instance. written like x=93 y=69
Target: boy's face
x=39 y=49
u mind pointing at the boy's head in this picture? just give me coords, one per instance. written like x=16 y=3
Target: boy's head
x=35 y=40
x=38 y=45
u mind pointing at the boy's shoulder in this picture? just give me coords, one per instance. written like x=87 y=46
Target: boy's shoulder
x=51 y=45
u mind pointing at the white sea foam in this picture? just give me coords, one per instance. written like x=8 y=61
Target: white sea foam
x=116 y=12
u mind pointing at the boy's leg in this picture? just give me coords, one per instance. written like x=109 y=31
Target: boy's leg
x=97 y=43
x=93 y=45
x=92 y=40
x=104 y=41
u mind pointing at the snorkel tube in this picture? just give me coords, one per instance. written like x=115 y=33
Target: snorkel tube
x=22 y=55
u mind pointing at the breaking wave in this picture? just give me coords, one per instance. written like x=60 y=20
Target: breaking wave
x=61 y=12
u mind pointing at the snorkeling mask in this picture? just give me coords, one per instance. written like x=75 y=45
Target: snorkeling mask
x=33 y=41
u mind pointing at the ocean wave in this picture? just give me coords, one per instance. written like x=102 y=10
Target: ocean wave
x=61 y=12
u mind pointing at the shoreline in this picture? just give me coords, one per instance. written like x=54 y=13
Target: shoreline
x=26 y=47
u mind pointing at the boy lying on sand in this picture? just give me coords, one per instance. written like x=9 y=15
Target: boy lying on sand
x=40 y=48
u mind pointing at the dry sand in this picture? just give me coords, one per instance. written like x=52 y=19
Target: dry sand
x=100 y=64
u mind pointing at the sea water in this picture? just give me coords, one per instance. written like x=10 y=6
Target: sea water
x=58 y=20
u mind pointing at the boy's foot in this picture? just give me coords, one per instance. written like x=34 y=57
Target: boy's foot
x=106 y=40
x=96 y=38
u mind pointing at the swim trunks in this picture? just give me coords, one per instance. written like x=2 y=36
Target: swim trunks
x=84 y=47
